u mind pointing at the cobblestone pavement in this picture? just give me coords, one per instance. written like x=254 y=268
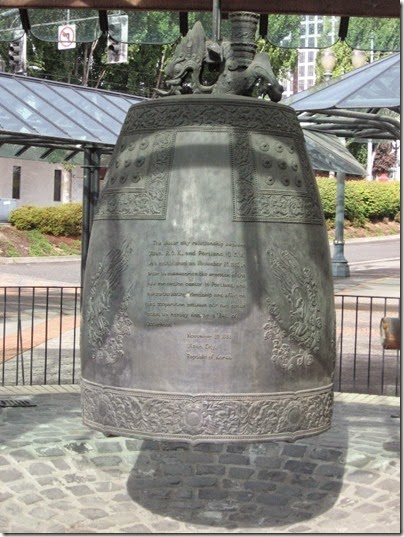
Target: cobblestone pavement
x=58 y=476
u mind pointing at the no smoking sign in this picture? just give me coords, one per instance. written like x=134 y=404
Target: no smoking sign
x=67 y=36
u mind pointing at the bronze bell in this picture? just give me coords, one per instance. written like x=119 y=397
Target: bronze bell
x=208 y=308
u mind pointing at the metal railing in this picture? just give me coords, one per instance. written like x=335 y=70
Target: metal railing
x=39 y=340
x=362 y=364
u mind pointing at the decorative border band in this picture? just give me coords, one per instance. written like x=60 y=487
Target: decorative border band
x=215 y=110
x=207 y=417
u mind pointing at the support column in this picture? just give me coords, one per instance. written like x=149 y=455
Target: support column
x=340 y=267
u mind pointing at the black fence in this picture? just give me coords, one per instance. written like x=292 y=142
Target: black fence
x=39 y=340
x=362 y=364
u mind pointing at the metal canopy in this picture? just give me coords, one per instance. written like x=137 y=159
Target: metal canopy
x=329 y=154
x=363 y=104
x=37 y=113
x=376 y=85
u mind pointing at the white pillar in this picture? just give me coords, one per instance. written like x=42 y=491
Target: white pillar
x=66 y=186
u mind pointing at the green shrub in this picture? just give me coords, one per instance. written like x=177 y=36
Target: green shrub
x=25 y=218
x=364 y=200
x=327 y=188
x=62 y=220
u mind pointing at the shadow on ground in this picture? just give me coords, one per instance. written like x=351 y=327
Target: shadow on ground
x=236 y=484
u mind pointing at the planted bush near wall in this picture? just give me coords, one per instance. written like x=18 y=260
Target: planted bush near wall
x=364 y=200
x=62 y=220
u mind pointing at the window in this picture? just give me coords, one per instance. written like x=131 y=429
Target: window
x=310 y=56
x=16 y=182
x=301 y=86
x=57 y=186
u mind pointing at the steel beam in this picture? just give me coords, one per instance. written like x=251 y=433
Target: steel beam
x=342 y=8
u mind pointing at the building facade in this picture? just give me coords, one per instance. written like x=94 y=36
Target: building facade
x=32 y=182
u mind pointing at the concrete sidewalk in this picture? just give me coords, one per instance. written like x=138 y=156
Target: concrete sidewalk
x=58 y=476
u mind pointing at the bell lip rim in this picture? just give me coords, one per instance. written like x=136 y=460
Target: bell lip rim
x=194 y=440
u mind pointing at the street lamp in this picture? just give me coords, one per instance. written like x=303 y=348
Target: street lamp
x=358 y=58
x=328 y=61
x=340 y=268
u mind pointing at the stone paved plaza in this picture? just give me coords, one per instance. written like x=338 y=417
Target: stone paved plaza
x=58 y=476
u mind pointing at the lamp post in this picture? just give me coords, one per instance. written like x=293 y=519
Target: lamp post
x=328 y=61
x=340 y=268
x=358 y=58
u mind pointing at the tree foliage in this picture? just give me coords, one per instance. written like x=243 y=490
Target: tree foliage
x=384 y=159
x=87 y=64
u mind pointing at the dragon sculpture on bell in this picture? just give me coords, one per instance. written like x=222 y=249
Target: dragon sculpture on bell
x=240 y=70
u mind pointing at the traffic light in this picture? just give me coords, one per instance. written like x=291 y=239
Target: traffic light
x=117 y=33
x=17 y=55
x=116 y=51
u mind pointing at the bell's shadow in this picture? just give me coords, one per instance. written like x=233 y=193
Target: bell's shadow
x=240 y=484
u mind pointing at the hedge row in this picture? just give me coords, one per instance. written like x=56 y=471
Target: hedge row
x=62 y=220
x=364 y=200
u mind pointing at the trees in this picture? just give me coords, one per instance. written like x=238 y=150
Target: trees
x=86 y=64
x=384 y=159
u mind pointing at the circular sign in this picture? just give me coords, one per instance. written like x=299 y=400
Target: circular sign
x=67 y=36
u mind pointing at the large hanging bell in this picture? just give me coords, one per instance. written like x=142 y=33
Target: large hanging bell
x=208 y=308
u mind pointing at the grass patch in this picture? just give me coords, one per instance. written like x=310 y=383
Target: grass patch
x=39 y=245
x=11 y=251
x=73 y=249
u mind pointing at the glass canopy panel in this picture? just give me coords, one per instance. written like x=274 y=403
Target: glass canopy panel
x=375 y=85
x=23 y=113
x=96 y=113
x=327 y=153
x=10 y=25
x=374 y=34
x=301 y=31
x=60 y=110
x=89 y=116
x=144 y=27
x=36 y=153
x=101 y=113
x=45 y=23
x=114 y=109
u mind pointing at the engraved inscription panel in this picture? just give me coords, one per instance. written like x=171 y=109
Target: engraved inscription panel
x=191 y=281
x=208 y=346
